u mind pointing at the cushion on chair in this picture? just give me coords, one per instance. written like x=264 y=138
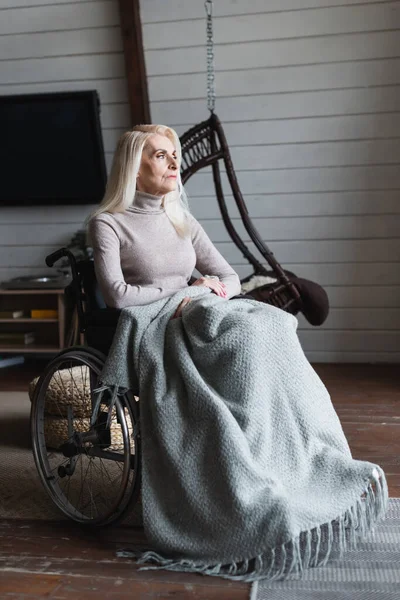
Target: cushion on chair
x=315 y=300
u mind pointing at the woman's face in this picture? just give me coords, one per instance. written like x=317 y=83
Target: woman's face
x=159 y=167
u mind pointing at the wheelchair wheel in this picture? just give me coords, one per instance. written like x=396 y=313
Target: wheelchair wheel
x=92 y=472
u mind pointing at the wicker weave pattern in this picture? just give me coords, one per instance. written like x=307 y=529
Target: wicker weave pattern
x=71 y=387
x=68 y=387
x=56 y=432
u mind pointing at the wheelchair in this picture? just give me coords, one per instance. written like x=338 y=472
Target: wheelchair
x=87 y=452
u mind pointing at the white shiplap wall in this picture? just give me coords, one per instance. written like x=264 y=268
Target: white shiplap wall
x=49 y=46
x=309 y=95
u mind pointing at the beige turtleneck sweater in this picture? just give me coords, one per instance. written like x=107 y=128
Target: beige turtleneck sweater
x=140 y=258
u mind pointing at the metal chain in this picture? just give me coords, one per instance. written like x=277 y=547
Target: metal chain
x=210 y=58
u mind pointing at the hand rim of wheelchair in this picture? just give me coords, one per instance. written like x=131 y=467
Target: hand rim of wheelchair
x=75 y=447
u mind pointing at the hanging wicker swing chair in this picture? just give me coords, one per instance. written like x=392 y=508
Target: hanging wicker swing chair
x=205 y=145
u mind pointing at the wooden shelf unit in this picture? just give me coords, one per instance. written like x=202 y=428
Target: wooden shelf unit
x=49 y=333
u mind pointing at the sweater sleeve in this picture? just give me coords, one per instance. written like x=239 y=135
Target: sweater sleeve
x=107 y=264
x=210 y=262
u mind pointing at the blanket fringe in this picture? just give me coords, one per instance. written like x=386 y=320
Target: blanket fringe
x=311 y=548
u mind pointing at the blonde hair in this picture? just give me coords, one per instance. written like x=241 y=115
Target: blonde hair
x=121 y=184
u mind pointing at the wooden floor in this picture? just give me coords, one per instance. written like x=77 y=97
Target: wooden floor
x=60 y=561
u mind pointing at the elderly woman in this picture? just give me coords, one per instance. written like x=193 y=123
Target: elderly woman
x=246 y=471
x=146 y=243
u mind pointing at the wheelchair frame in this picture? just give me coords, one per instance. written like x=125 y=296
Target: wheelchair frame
x=88 y=438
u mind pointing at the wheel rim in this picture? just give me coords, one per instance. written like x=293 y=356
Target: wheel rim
x=88 y=488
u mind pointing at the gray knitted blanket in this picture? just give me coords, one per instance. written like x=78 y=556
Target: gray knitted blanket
x=246 y=471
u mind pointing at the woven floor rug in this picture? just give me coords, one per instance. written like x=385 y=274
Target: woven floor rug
x=372 y=572
x=22 y=495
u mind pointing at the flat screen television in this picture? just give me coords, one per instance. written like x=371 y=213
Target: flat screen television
x=51 y=149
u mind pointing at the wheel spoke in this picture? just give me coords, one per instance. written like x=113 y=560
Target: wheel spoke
x=98 y=488
x=64 y=395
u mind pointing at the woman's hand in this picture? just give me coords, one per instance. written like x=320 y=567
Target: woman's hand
x=216 y=286
x=178 y=312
